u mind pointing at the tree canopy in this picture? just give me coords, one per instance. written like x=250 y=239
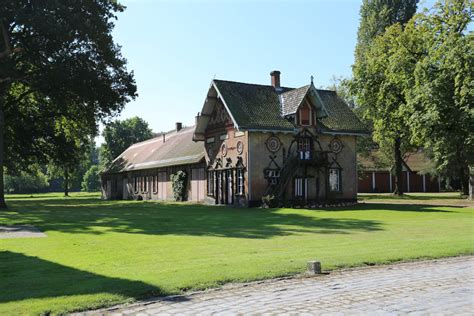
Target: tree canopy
x=59 y=69
x=119 y=135
x=416 y=85
x=379 y=92
x=440 y=87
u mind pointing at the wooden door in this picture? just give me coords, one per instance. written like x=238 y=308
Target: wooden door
x=197 y=184
x=162 y=185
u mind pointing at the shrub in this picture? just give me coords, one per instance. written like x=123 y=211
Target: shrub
x=26 y=183
x=178 y=182
x=269 y=201
x=91 y=180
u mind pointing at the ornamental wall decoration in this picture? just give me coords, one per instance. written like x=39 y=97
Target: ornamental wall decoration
x=336 y=145
x=240 y=147
x=273 y=144
x=224 y=150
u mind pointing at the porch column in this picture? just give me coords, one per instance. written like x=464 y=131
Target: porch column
x=408 y=181
x=424 y=183
x=373 y=181
x=390 y=181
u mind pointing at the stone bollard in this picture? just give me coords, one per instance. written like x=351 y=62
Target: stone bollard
x=314 y=267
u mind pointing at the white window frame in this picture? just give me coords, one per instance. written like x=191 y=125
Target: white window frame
x=301 y=187
x=240 y=181
x=335 y=173
x=210 y=182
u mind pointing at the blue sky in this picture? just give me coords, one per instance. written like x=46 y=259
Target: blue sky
x=176 y=48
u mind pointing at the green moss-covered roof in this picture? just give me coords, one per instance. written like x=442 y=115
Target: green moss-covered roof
x=253 y=106
x=256 y=106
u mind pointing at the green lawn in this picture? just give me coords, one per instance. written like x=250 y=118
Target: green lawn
x=100 y=253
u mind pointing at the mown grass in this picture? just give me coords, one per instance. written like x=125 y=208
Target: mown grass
x=100 y=253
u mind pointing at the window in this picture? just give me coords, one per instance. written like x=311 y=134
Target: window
x=301 y=185
x=335 y=180
x=305 y=115
x=273 y=176
x=135 y=184
x=154 y=184
x=210 y=183
x=240 y=182
x=304 y=148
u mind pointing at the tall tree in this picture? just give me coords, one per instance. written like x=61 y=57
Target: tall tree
x=119 y=135
x=70 y=151
x=380 y=100
x=441 y=94
x=59 y=56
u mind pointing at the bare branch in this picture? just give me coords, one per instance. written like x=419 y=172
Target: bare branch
x=7 y=79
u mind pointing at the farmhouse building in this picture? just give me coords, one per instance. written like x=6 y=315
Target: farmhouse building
x=249 y=141
x=376 y=175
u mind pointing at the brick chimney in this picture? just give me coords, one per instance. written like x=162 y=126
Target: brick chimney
x=275 y=74
x=196 y=119
x=179 y=126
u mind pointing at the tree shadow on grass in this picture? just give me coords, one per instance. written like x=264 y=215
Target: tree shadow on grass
x=408 y=196
x=398 y=207
x=24 y=277
x=97 y=217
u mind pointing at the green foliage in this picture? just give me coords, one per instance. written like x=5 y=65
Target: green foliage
x=91 y=181
x=60 y=73
x=179 y=185
x=379 y=84
x=440 y=92
x=26 y=183
x=417 y=84
x=139 y=248
x=376 y=16
x=119 y=135
x=269 y=201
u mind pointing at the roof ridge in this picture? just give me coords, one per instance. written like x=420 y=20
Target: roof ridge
x=294 y=89
x=251 y=84
x=173 y=132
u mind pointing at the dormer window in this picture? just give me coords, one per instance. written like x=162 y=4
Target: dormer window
x=305 y=115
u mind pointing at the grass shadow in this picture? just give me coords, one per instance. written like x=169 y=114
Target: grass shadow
x=97 y=217
x=28 y=277
x=418 y=208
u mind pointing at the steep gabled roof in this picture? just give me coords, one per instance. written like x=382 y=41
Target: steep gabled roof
x=177 y=149
x=291 y=100
x=261 y=107
x=339 y=117
x=253 y=106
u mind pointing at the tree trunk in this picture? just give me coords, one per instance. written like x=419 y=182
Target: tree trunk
x=66 y=183
x=3 y=205
x=464 y=179
x=398 y=168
